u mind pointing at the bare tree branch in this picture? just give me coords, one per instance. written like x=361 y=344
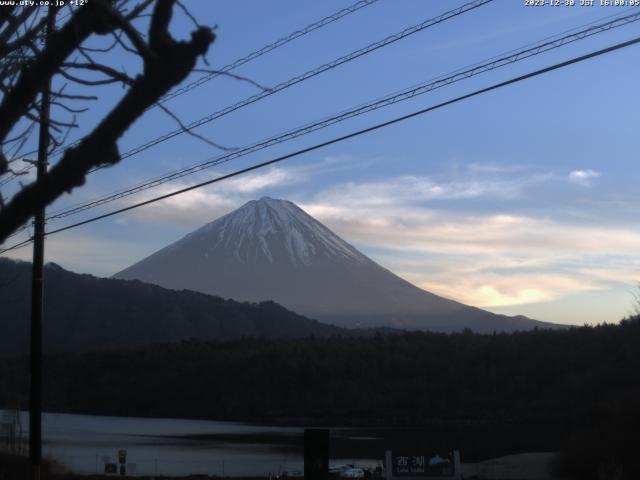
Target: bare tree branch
x=74 y=97
x=137 y=11
x=90 y=83
x=68 y=108
x=17 y=172
x=110 y=72
x=31 y=33
x=166 y=64
x=44 y=66
x=119 y=41
x=14 y=24
x=190 y=131
x=134 y=36
x=234 y=76
x=188 y=14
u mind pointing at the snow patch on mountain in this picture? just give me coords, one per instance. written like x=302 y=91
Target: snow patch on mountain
x=261 y=226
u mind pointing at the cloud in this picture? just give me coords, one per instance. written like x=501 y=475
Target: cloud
x=444 y=232
x=202 y=205
x=430 y=229
x=275 y=177
x=494 y=168
x=488 y=259
x=196 y=207
x=82 y=252
x=583 y=177
x=413 y=189
x=484 y=290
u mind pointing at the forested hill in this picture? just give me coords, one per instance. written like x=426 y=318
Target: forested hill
x=544 y=390
x=83 y=312
x=553 y=375
x=492 y=394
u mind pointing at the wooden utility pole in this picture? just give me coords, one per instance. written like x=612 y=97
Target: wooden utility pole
x=37 y=281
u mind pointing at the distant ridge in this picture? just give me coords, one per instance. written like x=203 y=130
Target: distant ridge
x=270 y=249
x=86 y=313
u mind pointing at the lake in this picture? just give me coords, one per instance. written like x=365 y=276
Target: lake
x=161 y=446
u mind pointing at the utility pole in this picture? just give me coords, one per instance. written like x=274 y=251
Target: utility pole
x=37 y=280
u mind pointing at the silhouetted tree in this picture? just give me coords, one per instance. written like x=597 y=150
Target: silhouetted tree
x=28 y=62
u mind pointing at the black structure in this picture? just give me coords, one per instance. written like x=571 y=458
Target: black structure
x=316 y=453
x=35 y=361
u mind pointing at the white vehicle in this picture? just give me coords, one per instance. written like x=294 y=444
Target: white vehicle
x=353 y=473
x=338 y=469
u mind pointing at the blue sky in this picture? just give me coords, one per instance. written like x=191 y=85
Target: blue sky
x=521 y=201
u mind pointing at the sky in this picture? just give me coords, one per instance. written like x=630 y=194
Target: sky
x=523 y=200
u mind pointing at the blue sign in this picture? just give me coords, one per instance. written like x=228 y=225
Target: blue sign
x=422 y=465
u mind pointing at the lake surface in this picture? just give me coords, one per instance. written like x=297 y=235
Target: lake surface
x=158 y=446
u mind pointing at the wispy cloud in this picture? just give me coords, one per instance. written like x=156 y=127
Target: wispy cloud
x=427 y=228
x=583 y=177
x=486 y=259
x=495 y=168
x=490 y=258
x=275 y=177
x=202 y=205
x=485 y=290
x=395 y=225
x=413 y=189
x=82 y=252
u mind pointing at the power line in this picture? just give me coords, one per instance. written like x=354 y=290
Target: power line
x=233 y=65
x=378 y=126
x=391 y=99
x=253 y=55
x=17 y=245
x=13 y=176
x=305 y=76
x=309 y=74
x=268 y=48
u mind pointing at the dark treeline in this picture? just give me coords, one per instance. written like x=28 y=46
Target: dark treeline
x=575 y=389
x=81 y=313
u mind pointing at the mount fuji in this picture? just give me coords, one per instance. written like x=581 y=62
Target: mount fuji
x=271 y=249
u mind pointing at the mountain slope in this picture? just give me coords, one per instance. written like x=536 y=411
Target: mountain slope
x=83 y=312
x=272 y=250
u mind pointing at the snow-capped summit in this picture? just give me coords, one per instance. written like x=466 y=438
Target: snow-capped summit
x=271 y=249
x=265 y=229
